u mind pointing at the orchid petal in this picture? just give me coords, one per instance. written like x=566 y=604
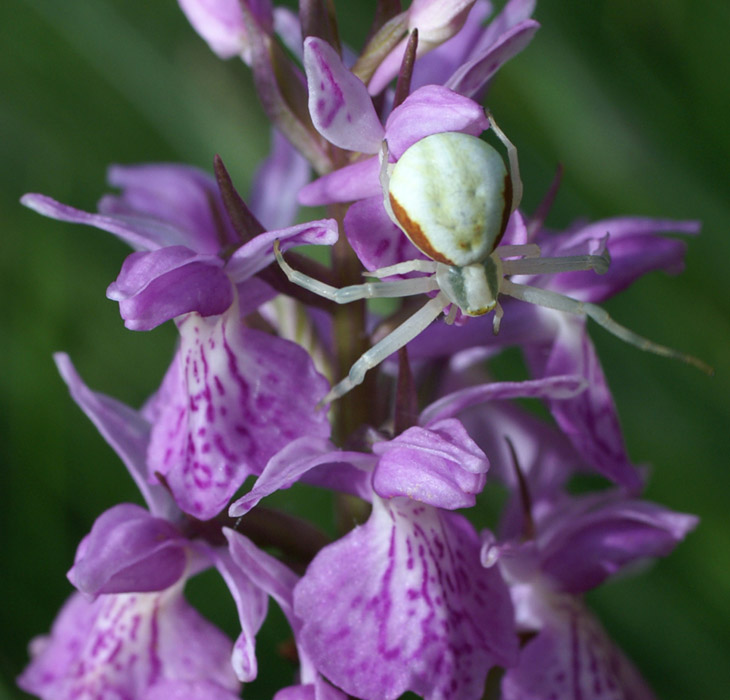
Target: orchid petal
x=598 y=536
x=124 y=429
x=349 y=471
x=157 y=286
x=513 y=13
x=572 y=658
x=435 y=67
x=402 y=603
x=471 y=77
x=139 y=232
x=232 y=398
x=121 y=645
x=350 y=183
x=439 y=465
x=376 y=240
x=339 y=103
x=276 y=182
x=436 y=22
x=635 y=247
x=589 y=419
x=560 y=387
x=129 y=551
x=184 y=197
x=259 y=251
x=252 y=606
x=431 y=110
x=221 y=24
x=189 y=690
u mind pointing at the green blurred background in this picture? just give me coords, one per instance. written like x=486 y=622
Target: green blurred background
x=631 y=97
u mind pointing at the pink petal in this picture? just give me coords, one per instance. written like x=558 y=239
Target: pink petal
x=339 y=103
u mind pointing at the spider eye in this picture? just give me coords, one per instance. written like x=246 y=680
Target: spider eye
x=451 y=194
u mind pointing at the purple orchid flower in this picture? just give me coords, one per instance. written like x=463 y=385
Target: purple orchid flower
x=141 y=645
x=175 y=217
x=233 y=396
x=400 y=603
x=131 y=550
x=576 y=549
x=569 y=545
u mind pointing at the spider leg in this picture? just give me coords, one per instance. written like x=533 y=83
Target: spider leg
x=566 y=263
x=560 y=302
x=368 y=290
x=403 y=268
x=497 y=320
x=392 y=342
x=514 y=166
x=526 y=250
x=385 y=170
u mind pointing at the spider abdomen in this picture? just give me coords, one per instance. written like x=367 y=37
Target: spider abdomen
x=451 y=194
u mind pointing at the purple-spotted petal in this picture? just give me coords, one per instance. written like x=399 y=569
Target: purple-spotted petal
x=121 y=645
x=572 y=658
x=596 y=537
x=353 y=182
x=376 y=240
x=402 y=603
x=183 y=197
x=189 y=690
x=125 y=430
x=129 y=551
x=259 y=251
x=160 y=285
x=439 y=465
x=339 y=103
x=431 y=110
x=232 y=398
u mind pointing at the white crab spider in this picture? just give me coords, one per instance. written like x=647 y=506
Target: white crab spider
x=450 y=193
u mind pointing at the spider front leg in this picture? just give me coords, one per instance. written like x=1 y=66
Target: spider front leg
x=560 y=302
x=514 y=165
x=386 y=168
x=367 y=290
x=392 y=342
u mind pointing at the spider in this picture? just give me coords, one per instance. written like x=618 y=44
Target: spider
x=451 y=194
